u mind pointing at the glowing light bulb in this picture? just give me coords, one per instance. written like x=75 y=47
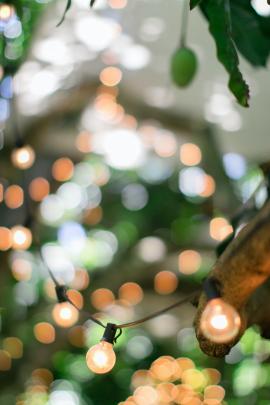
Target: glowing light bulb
x=21 y=237
x=23 y=157
x=101 y=358
x=220 y=322
x=65 y=314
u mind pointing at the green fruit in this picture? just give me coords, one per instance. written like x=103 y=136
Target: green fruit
x=183 y=66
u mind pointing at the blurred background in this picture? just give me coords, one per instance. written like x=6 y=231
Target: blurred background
x=125 y=188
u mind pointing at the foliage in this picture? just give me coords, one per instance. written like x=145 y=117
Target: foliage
x=235 y=24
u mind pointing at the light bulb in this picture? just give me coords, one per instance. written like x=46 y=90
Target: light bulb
x=21 y=237
x=65 y=314
x=101 y=358
x=23 y=157
x=220 y=322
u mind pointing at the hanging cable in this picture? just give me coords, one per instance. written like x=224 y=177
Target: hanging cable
x=189 y=298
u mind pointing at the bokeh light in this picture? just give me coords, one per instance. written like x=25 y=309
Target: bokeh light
x=5 y=238
x=151 y=249
x=23 y=157
x=190 y=154
x=44 y=332
x=6 y=12
x=84 y=142
x=102 y=298
x=189 y=261
x=62 y=169
x=21 y=237
x=14 y=196
x=5 y=360
x=220 y=228
x=39 y=188
x=117 y=4
x=110 y=76
x=21 y=268
x=14 y=347
x=165 y=282
x=131 y=292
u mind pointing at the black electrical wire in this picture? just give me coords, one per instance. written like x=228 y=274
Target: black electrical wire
x=59 y=288
x=61 y=291
x=189 y=298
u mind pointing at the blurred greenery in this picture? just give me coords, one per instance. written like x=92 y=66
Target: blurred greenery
x=93 y=221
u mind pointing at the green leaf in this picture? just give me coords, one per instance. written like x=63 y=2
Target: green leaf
x=218 y=14
x=194 y=3
x=65 y=12
x=248 y=33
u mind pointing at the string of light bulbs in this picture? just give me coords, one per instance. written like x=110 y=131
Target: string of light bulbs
x=220 y=322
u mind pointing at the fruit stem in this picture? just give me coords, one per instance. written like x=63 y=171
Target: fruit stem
x=184 y=23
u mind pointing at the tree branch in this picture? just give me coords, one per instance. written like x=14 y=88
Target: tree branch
x=241 y=269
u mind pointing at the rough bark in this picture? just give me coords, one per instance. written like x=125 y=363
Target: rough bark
x=241 y=269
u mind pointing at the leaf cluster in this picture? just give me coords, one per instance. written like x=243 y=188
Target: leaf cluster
x=237 y=28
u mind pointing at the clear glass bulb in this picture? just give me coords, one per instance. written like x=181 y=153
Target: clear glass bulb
x=65 y=314
x=220 y=322
x=101 y=358
x=23 y=157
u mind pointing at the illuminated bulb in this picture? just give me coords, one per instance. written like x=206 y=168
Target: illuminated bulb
x=65 y=314
x=101 y=358
x=220 y=322
x=23 y=157
x=21 y=237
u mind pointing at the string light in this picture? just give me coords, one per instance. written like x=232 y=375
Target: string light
x=101 y=358
x=65 y=314
x=220 y=322
x=23 y=157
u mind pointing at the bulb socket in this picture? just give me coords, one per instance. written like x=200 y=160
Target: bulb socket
x=61 y=293
x=212 y=288
x=19 y=143
x=109 y=334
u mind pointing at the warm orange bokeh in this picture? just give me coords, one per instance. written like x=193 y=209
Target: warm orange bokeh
x=44 y=332
x=39 y=188
x=102 y=298
x=220 y=228
x=110 y=76
x=190 y=154
x=209 y=186
x=76 y=336
x=14 y=196
x=5 y=238
x=76 y=298
x=117 y=4
x=5 y=360
x=81 y=280
x=62 y=169
x=165 y=282
x=14 y=347
x=131 y=293
x=189 y=261
x=84 y=142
